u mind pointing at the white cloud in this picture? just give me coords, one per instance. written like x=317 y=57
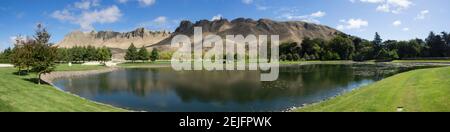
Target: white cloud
x=318 y=14
x=217 y=17
x=422 y=14
x=161 y=23
x=122 y=1
x=397 y=23
x=352 y=24
x=307 y=18
x=261 y=7
x=87 y=18
x=160 y=20
x=392 y=6
x=63 y=15
x=405 y=29
x=87 y=4
x=146 y=2
x=247 y=1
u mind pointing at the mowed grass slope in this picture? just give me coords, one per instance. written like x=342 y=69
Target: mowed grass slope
x=19 y=94
x=426 y=90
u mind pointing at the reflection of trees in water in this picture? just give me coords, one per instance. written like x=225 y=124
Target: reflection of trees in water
x=227 y=86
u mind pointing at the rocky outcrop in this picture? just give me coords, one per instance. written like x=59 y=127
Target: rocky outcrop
x=117 y=40
x=289 y=31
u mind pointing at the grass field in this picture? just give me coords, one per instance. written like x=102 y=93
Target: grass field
x=77 y=67
x=20 y=94
x=421 y=61
x=426 y=90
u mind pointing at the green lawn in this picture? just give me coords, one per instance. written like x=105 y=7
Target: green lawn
x=145 y=64
x=18 y=94
x=77 y=67
x=421 y=61
x=426 y=90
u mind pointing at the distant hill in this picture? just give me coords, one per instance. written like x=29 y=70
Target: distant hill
x=115 y=40
x=289 y=31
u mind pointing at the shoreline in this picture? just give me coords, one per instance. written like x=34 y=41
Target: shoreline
x=49 y=78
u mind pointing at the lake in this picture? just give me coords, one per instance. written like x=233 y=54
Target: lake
x=165 y=90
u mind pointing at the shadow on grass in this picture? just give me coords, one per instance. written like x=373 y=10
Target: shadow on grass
x=21 y=73
x=35 y=81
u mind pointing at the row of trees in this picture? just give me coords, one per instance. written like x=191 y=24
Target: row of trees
x=133 y=54
x=344 y=47
x=83 y=54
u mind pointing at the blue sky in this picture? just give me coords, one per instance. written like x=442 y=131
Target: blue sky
x=394 y=19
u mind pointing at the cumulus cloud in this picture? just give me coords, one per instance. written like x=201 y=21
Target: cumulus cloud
x=422 y=14
x=352 y=24
x=160 y=20
x=86 y=17
x=247 y=1
x=405 y=29
x=392 y=6
x=217 y=17
x=161 y=23
x=397 y=23
x=122 y=1
x=146 y=2
x=313 y=17
x=86 y=4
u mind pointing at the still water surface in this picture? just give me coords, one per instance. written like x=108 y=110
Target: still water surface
x=162 y=89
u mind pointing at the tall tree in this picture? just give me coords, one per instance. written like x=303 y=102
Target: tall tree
x=343 y=46
x=154 y=55
x=436 y=44
x=104 y=54
x=43 y=54
x=143 y=54
x=132 y=53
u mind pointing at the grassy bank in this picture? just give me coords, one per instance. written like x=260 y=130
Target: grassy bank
x=425 y=90
x=20 y=94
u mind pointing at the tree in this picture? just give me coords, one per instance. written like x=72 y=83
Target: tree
x=436 y=44
x=289 y=57
x=21 y=56
x=43 y=54
x=5 y=56
x=377 y=44
x=143 y=54
x=296 y=57
x=104 y=54
x=44 y=57
x=154 y=55
x=343 y=46
x=132 y=53
x=63 y=55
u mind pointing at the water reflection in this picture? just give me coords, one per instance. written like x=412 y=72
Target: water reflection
x=163 y=89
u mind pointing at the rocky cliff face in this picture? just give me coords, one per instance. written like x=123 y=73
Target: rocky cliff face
x=290 y=31
x=139 y=37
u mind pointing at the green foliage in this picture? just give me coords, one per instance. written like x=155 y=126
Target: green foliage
x=143 y=54
x=344 y=47
x=5 y=56
x=36 y=54
x=82 y=54
x=154 y=55
x=132 y=53
x=289 y=57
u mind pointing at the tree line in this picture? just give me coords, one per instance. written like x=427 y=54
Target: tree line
x=345 y=47
x=82 y=54
x=133 y=54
